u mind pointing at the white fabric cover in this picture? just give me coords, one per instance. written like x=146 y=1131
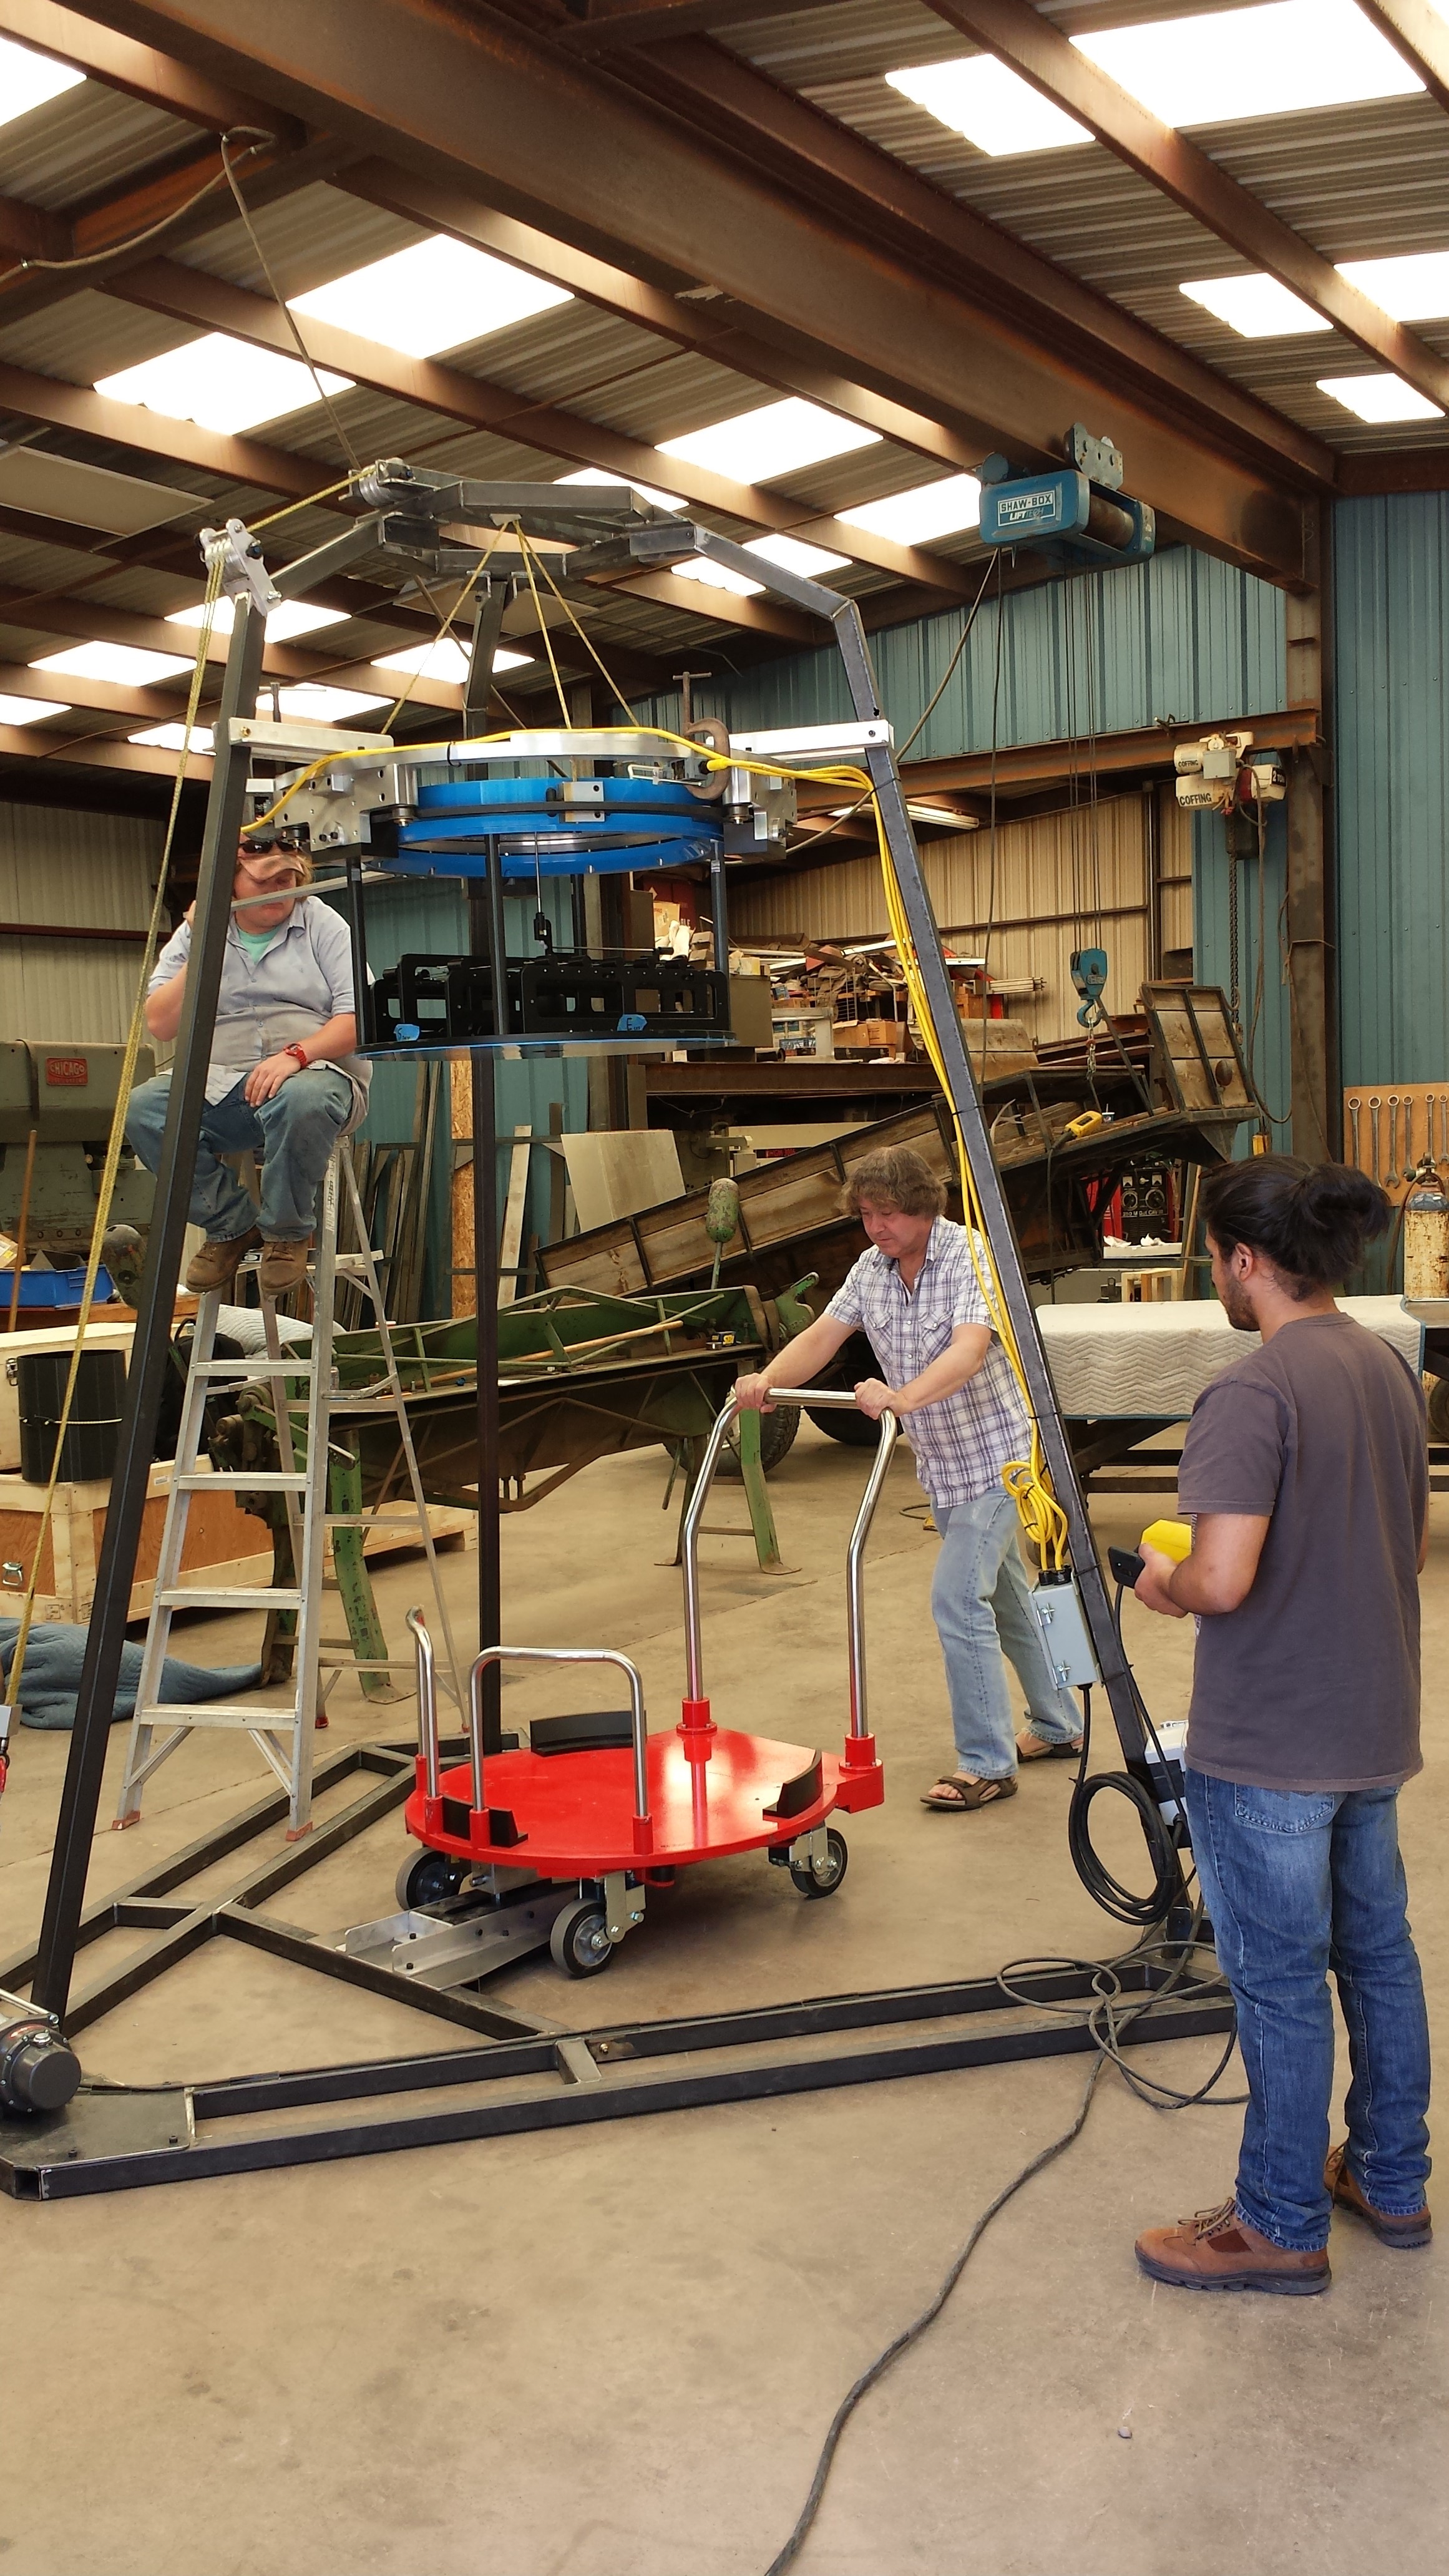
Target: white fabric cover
x=1156 y=1359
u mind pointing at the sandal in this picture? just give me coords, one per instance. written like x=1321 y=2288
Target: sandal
x=964 y=1796
x=1038 y=1748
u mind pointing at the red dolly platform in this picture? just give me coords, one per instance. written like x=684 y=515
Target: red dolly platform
x=560 y=1841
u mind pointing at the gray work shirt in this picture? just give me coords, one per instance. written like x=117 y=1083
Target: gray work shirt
x=302 y=978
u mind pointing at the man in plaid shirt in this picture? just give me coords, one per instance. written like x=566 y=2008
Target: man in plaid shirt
x=917 y=1298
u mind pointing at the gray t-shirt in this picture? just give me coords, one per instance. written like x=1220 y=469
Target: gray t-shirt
x=1313 y=1682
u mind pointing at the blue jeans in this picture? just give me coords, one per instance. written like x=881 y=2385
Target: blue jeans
x=1298 y=1883
x=294 y=1133
x=981 y=1603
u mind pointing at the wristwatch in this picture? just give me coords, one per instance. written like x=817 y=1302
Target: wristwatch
x=299 y=1051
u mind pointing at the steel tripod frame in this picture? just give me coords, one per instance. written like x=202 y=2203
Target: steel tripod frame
x=653 y=543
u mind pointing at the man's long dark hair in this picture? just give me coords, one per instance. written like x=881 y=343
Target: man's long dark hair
x=1311 y=1220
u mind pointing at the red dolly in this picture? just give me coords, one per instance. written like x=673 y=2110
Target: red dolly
x=561 y=1841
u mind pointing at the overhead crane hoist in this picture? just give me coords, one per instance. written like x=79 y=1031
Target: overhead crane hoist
x=541 y=814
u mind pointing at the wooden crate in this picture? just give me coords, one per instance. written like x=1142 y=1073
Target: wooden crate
x=223 y=1543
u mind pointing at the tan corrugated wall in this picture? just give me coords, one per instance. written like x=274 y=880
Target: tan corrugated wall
x=1062 y=881
x=90 y=871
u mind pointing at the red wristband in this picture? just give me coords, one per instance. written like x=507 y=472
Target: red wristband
x=299 y=1051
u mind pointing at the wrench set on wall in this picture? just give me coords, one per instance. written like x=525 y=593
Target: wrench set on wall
x=1390 y=1131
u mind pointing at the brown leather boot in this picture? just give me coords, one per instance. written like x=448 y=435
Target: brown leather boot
x=215 y=1264
x=1218 y=2250
x=1348 y=2193
x=284 y=1266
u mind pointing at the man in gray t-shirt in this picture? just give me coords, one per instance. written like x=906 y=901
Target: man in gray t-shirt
x=1305 y=1473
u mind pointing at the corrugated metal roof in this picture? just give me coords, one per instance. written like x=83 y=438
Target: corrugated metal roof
x=88 y=138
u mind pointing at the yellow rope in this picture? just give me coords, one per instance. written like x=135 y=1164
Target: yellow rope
x=528 y=559
x=116 y=1142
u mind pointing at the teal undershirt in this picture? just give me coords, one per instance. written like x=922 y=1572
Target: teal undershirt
x=254 y=941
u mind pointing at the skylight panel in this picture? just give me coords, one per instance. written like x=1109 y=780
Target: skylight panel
x=793 y=555
x=1256 y=307
x=716 y=576
x=1413 y=288
x=778 y=438
x=20 y=711
x=436 y=295
x=445 y=659
x=939 y=509
x=1379 y=397
x=172 y=737
x=124 y=664
x=321 y=705
x=1263 y=61
x=669 y=501
x=221 y=384
x=294 y=617
x=990 y=104
x=29 y=80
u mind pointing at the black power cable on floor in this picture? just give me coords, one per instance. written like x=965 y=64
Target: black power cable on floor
x=1108 y=2024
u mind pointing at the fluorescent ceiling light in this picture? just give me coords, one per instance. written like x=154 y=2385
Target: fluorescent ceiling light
x=434 y=296
x=88 y=496
x=990 y=104
x=294 y=617
x=19 y=711
x=27 y=80
x=444 y=659
x=1264 y=61
x=778 y=438
x=942 y=814
x=125 y=664
x=716 y=576
x=1379 y=397
x=322 y=705
x=172 y=737
x=657 y=500
x=932 y=510
x=793 y=555
x=1256 y=307
x=221 y=384
x=1413 y=288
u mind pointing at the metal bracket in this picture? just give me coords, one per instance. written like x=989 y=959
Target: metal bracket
x=623 y=1905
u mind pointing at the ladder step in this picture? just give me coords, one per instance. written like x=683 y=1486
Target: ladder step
x=224 y=1596
x=267 y=1480
x=257 y=1364
x=212 y=1712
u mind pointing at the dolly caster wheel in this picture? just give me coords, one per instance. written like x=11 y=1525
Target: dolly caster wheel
x=812 y=1883
x=428 y=1878
x=578 y=1942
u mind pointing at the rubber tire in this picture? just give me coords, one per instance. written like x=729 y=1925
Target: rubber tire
x=426 y=1878
x=806 y=1880
x=853 y=1430
x=564 y=1940
x=777 y=1439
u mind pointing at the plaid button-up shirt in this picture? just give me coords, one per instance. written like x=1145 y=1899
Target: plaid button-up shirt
x=962 y=1442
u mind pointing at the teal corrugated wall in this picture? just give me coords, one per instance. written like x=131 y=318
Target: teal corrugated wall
x=1391 y=576
x=1265 y=1020
x=1180 y=637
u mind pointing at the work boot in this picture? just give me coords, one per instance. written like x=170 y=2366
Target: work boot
x=284 y=1266
x=1218 y=2250
x=1348 y=2193
x=218 y=1260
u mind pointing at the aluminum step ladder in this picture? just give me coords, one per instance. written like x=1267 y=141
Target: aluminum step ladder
x=283 y=1736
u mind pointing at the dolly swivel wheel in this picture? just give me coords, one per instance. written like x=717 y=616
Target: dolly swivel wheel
x=813 y=1882
x=428 y=1878
x=579 y=1942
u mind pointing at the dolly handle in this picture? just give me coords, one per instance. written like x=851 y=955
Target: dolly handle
x=855 y=1553
x=427 y=1703
x=560 y=1655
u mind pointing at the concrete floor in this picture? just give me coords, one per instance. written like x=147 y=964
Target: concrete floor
x=613 y=2351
